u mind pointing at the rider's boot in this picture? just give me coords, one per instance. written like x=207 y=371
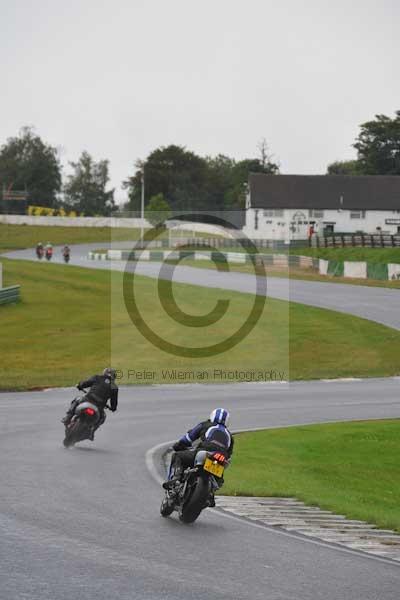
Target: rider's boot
x=175 y=476
x=67 y=418
x=211 y=500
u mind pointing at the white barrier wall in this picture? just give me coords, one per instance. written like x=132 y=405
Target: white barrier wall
x=74 y=221
x=236 y=257
x=280 y=260
x=306 y=261
x=393 y=271
x=204 y=228
x=355 y=269
x=323 y=266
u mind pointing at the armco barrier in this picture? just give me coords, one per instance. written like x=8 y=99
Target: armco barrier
x=9 y=295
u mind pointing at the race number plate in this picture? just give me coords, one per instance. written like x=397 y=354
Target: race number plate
x=215 y=469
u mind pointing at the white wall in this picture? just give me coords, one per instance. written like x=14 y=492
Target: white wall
x=74 y=221
x=280 y=227
x=189 y=226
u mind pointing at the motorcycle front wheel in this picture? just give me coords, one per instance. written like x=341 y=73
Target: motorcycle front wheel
x=167 y=507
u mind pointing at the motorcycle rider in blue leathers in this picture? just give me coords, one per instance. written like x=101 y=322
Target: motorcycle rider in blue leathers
x=213 y=435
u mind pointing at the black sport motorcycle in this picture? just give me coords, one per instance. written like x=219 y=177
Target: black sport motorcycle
x=192 y=493
x=85 y=418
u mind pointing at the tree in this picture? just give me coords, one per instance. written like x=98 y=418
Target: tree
x=240 y=175
x=345 y=167
x=193 y=183
x=27 y=163
x=176 y=173
x=85 y=190
x=266 y=157
x=158 y=210
x=378 y=146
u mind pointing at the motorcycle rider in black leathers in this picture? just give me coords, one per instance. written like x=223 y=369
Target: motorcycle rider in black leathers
x=213 y=434
x=102 y=388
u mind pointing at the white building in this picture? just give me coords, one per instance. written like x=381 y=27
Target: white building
x=284 y=207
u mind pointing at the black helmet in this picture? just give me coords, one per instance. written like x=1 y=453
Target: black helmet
x=111 y=373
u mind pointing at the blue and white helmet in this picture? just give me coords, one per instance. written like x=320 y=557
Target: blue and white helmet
x=221 y=416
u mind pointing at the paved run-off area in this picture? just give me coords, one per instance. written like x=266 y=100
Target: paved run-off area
x=292 y=515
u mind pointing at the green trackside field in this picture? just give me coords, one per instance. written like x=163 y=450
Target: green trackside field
x=62 y=329
x=19 y=237
x=349 y=468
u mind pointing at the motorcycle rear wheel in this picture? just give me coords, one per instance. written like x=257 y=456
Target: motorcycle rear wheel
x=193 y=507
x=74 y=434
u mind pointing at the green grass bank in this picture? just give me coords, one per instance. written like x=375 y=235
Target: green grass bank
x=72 y=321
x=349 y=468
x=372 y=255
x=18 y=237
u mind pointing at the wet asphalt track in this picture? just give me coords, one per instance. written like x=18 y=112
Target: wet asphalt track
x=84 y=523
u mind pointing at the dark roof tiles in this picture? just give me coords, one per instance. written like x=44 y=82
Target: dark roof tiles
x=375 y=192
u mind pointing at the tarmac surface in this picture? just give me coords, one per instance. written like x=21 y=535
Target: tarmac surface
x=84 y=523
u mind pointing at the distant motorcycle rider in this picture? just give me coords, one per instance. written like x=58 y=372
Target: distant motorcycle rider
x=66 y=253
x=213 y=435
x=39 y=250
x=49 y=250
x=102 y=388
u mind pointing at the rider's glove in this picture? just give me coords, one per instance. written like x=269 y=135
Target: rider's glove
x=79 y=387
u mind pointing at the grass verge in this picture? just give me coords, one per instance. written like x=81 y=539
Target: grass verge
x=372 y=255
x=18 y=237
x=349 y=468
x=72 y=322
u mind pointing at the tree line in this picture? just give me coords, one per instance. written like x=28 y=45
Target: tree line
x=378 y=149
x=175 y=178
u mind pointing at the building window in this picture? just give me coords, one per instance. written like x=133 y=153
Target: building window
x=357 y=214
x=273 y=213
x=315 y=213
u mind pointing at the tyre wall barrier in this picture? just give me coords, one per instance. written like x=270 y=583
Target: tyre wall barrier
x=10 y=295
x=277 y=260
x=359 y=270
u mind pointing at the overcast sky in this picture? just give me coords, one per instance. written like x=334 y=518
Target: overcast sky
x=120 y=78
